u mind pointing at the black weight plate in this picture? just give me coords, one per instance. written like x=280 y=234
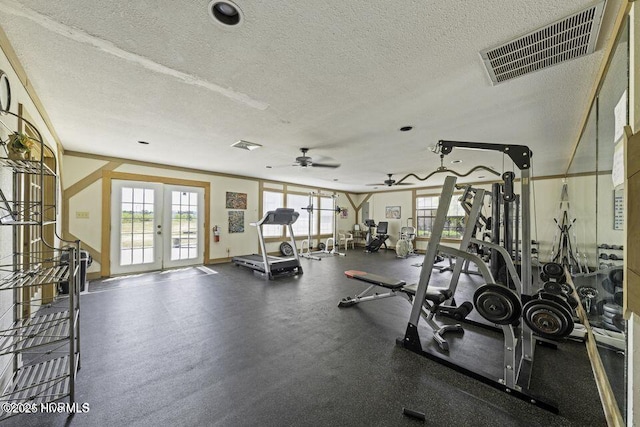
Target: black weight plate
x=616 y=277
x=543 y=277
x=587 y=292
x=560 y=299
x=498 y=304
x=552 y=288
x=618 y=298
x=608 y=285
x=286 y=249
x=553 y=270
x=321 y=246
x=547 y=318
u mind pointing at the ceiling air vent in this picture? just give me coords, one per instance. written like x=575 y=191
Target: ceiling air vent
x=246 y=145
x=561 y=41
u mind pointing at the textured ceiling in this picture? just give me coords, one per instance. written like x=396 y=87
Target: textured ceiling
x=339 y=77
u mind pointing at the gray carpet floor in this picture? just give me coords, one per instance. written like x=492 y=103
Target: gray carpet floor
x=224 y=347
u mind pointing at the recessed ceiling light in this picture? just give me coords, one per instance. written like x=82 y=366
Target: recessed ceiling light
x=246 y=145
x=406 y=128
x=269 y=167
x=335 y=179
x=143 y=142
x=480 y=176
x=225 y=12
x=456 y=161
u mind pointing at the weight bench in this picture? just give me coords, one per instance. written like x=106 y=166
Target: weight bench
x=396 y=287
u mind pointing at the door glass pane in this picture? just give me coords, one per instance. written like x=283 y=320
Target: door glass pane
x=137 y=230
x=184 y=225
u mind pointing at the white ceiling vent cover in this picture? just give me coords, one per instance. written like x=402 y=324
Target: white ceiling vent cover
x=561 y=41
x=246 y=145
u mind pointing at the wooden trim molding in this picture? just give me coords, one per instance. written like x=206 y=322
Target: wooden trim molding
x=76 y=188
x=108 y=176
x=631 y=255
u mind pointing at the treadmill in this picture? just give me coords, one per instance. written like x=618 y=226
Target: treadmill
x=271 y=266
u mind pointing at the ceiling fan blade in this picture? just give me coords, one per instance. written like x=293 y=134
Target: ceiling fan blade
x=325 y=165
x=372 y=185
x=404 y=183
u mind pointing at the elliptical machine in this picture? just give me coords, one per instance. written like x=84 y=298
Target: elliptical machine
x=373 y=244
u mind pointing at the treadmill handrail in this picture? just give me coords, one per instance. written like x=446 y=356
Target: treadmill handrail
x=281 y=216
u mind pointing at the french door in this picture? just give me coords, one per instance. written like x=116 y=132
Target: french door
x=155 y=226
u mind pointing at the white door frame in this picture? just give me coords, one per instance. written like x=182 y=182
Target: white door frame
x=161 y=228
x=168 y=238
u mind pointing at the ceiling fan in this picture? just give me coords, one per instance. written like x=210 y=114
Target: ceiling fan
x=389 y=182
x=306 y=161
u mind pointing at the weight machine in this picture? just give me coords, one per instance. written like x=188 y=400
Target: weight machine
x=547 y=312
x=404 y=245
x=330 y=240
x=373 y=244
x=496 y=303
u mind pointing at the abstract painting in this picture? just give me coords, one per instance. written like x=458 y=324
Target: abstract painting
x=236 y=200
x=236 y=222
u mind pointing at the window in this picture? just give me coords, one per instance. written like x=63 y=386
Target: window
x=322 y=221
x=425 y=214
x=426 y=208
x=270 y=202
x=326 y=216
x=299 y=202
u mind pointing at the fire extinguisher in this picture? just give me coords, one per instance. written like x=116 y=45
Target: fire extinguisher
x=216 y=233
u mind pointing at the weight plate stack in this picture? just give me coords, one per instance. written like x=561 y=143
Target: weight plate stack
x=554 y=271
x=559 y=298
x=547 y=318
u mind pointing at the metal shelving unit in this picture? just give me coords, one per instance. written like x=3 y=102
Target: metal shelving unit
x=42 y=339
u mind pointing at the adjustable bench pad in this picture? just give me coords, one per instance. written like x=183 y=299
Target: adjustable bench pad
x=437 y=296
x=374 y=279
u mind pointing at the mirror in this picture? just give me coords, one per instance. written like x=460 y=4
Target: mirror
x=598 y=229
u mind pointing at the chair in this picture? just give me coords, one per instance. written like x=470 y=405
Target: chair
x=344 y=237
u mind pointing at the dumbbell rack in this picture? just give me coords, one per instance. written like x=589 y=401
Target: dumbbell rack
x=613 y=254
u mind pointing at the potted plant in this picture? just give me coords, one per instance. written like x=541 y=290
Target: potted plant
x=19 y=146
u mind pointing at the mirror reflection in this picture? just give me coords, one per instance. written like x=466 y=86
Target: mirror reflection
x=596 y=236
